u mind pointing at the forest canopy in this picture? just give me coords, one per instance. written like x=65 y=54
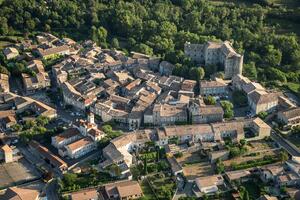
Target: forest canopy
x=161 y=27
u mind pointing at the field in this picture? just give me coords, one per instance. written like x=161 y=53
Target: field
x=16 y=173
x=197 y=170
x=256 y=150
x=194 y=165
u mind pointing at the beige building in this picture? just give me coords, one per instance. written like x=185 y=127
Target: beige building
x=59 y=50
x=41 y=79
x=78 y=148
x=85 y=194
x=290 y=117
x=205 y=114
x=20 y=193
x=213 y=88
x=262 y=101
x=4 y=83
x=214 y=53
x=166 y=114
x=123 y=190
x=10 y=53
x=209 y=184
x=68 y=136
x=260 y=128
x=8 y=153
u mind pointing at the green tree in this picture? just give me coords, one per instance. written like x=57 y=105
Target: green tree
x=210 y=100
x=283 y=156
x=115 y=43
x=69 y=179
x=250 y=71
x=228 y=109
x=143 y=48
x=145 y=165
x=220 y=167
x=262 y=115
x=3 y=26
x=102 y=36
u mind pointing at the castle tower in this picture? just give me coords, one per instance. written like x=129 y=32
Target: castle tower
x=91 y=118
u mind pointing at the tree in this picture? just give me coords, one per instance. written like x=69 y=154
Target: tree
x=69 y=179
x=220 y=167
x=101 y=35
x=228 y=109
x=196 y=73
x=210 y=100
x=145 y=165
x=283 y=156
x=3 y=26
x=262 y=115
x=250 y=71
x=143 y=48
x=115 y=43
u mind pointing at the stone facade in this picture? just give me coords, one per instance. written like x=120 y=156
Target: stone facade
x=212 y=53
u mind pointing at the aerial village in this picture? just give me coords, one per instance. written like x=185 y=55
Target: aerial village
x=82 y=122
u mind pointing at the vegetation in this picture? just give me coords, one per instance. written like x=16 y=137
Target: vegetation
x=228 y=109
x=110 y=134
x=259 y=29
x=210 y=100
x=255 y=163
x=72 y=182
x=262 y=115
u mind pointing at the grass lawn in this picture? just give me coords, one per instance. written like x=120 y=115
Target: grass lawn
x=148 y=194
x=253 y=189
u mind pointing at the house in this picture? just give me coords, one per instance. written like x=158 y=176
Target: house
x=213 y=88
x=10 y=53
x=8 y=153
x=166 y=68
x=20 y=193
x=68 y=136
x=260 y=128
x=270 y=172
x=288 y=179
x=239 y=175
x=290 y=117
x=9 y=121
x=124 y=190
x=239 y=81
x=4 y=83
x=262 y=101
x=175 y=166
x=205 y=114
x=85 y=194
x=267 y=197
x=78 y=148
x=188 y=85
x=40 y=80
x=209 y=184
x=44 y=153
x=166 y=114
x=53 y=51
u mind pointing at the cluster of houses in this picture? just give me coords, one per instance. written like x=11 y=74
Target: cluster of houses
x=13 y=105
x=120 y=150
x=277 y=175
x=78 y=140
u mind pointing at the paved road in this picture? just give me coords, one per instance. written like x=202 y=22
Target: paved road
x=289 y=147
x=51 y=190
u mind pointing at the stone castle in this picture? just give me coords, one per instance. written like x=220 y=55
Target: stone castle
x=212 y=53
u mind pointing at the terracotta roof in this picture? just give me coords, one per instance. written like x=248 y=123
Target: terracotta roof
x=79 y=144
x=123 y=189
x=18 y=193
x=6 y=149
x=71 y=132
x=87 y=194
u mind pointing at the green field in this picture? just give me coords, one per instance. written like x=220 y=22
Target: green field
x=294 y=87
